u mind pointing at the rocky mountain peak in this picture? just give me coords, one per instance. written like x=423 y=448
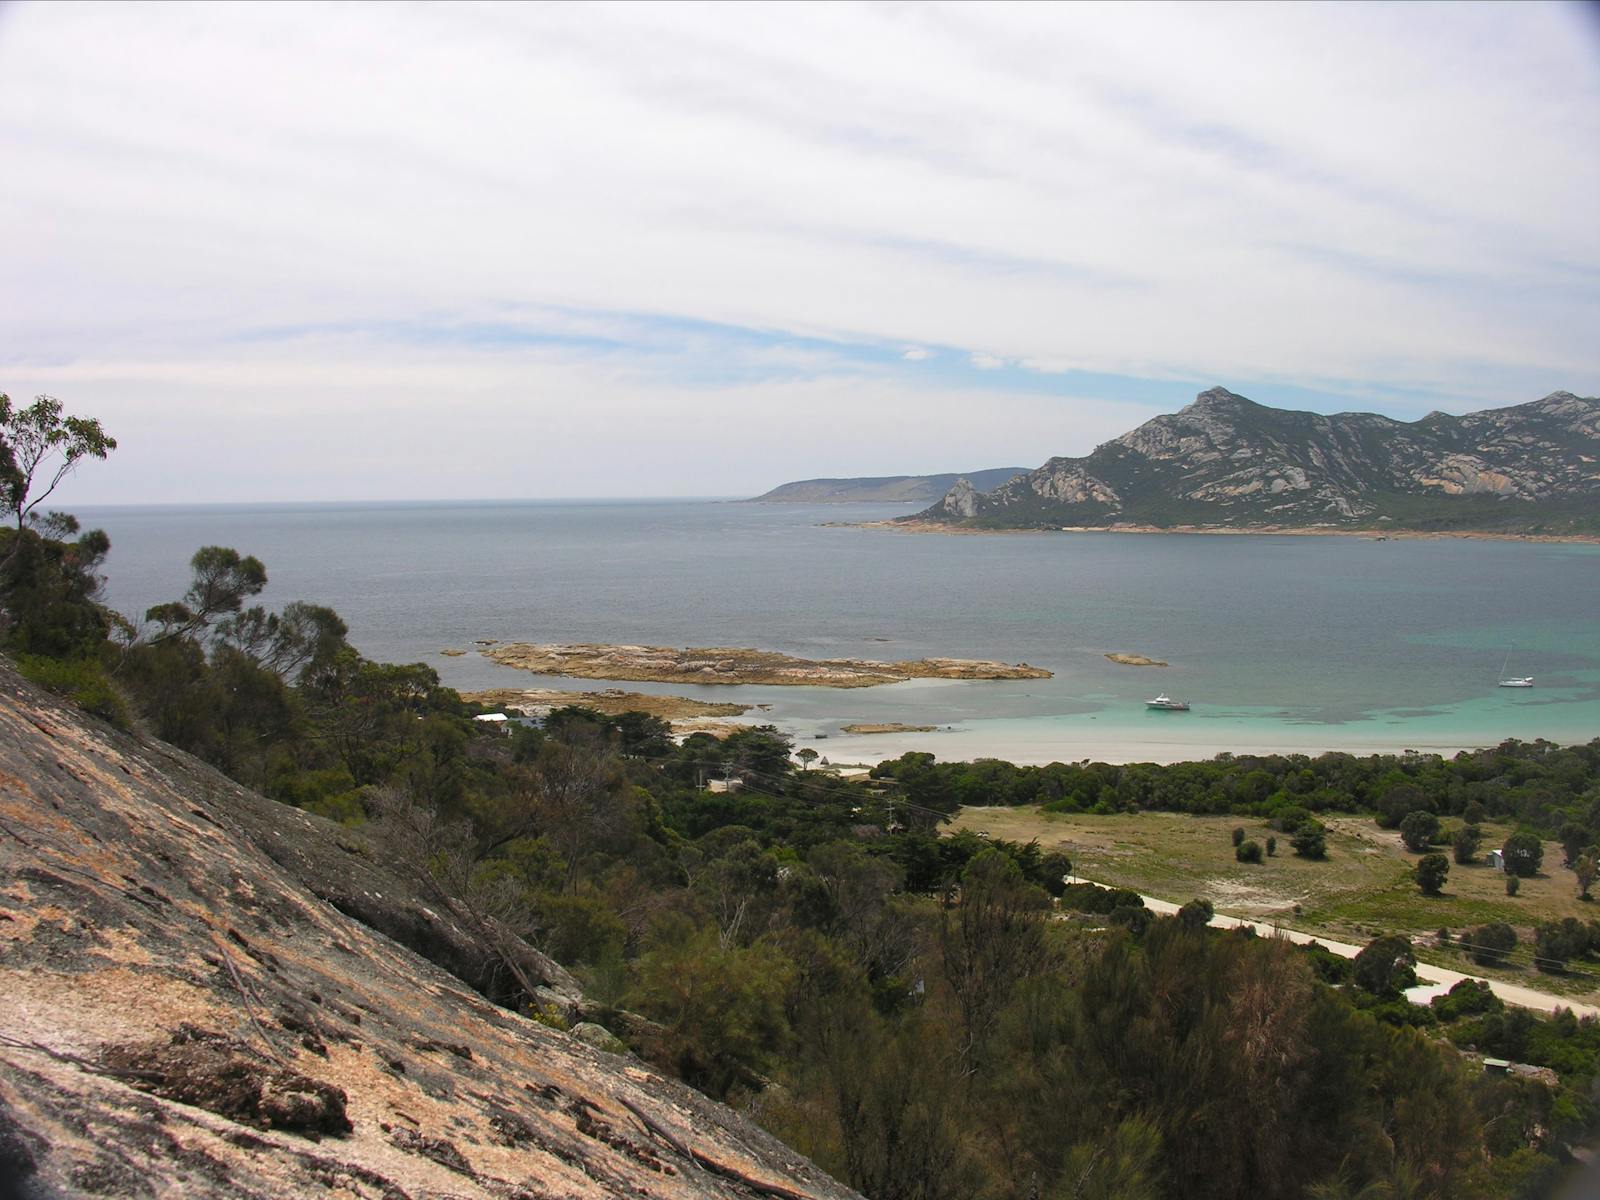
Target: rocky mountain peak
x=1226 y=461
x=1220 y=400
x=1566 y=404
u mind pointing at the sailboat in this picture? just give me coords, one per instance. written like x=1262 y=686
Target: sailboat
x=1518 y=681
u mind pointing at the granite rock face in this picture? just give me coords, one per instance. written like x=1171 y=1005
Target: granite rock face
x=1227 y=461
x=202 y=998
x=961 y=500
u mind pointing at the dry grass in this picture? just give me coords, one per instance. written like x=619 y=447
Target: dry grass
x=1363 y=888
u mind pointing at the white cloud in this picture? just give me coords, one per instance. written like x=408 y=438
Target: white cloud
x=363 y=420
x=1376 y=196
x=917 y=354
x=987 y=362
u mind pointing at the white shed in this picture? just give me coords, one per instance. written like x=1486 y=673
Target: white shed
x=1496 y=860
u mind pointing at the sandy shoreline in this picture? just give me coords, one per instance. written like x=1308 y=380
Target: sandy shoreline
x=1393 y=535
x=609 y=702
x=1120 y=747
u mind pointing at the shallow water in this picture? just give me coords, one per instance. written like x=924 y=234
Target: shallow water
x=1282 y=642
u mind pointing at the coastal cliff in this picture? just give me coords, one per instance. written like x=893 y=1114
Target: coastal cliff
x=1227 y=462
x=211 y=994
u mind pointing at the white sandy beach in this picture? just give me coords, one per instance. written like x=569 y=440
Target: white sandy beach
x=1036 y=742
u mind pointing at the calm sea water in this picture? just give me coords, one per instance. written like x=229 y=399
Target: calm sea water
x=1304 y=643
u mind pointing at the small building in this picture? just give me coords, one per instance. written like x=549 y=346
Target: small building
x=1496 y=860
x=496 y=720
x=724 y=785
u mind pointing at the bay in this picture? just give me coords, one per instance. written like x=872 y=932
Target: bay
x=1299 y=643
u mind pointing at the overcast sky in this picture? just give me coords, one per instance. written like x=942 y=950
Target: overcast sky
x=296 y=251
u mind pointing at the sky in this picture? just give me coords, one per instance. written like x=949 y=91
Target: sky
x=372 y=252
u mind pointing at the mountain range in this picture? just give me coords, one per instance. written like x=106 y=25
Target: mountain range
x=1227 y=462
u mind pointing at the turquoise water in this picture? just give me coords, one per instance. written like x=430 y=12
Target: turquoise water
x=1301 y=643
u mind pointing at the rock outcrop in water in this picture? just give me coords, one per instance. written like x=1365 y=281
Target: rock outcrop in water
x=731 y=665
x=1227 y=462
x=206 y=994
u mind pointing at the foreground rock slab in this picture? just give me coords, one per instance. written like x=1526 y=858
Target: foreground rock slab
x=732 y=665
x=183 y=1016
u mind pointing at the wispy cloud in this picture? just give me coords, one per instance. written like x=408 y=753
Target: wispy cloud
x=1034 y=207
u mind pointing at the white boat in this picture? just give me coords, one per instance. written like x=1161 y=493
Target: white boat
x=1513 y=680
x=1167 y=704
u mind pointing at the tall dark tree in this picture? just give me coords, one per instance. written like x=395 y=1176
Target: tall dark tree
x=49 y=588
x=1432 y=870
x=1465 y=845
x=1386 y=965
x=1524 y=853
x=39 y=447
x=992 y=938
x=1418 y=829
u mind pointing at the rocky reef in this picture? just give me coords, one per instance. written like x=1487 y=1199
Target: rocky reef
x=208 y=994
x=1135 y=660
x=731 y=665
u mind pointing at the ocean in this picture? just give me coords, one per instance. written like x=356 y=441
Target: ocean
x=1287 y=643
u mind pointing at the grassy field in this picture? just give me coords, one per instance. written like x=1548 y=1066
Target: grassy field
x=1362 y=889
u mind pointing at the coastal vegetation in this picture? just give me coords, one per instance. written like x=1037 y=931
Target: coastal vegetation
x=926 y=1012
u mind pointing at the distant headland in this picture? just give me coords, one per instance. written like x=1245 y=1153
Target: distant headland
x=1226 y=464
x=883 y=489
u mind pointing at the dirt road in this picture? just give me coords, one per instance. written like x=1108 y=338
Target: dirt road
x=1438 y=979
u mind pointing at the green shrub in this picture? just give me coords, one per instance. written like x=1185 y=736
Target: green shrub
x=1490 y=944
x=1432 y=870
x=1310 y=842
x=1248 y=852
x=81 y=680
x=1196 y=914
x=1557 y=941
x=579 y=929
x=1386 y=966
x=1418 y=830
x=1524 y=853
x=1330 y=967
x=1289 y=819
x=1469 y=998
